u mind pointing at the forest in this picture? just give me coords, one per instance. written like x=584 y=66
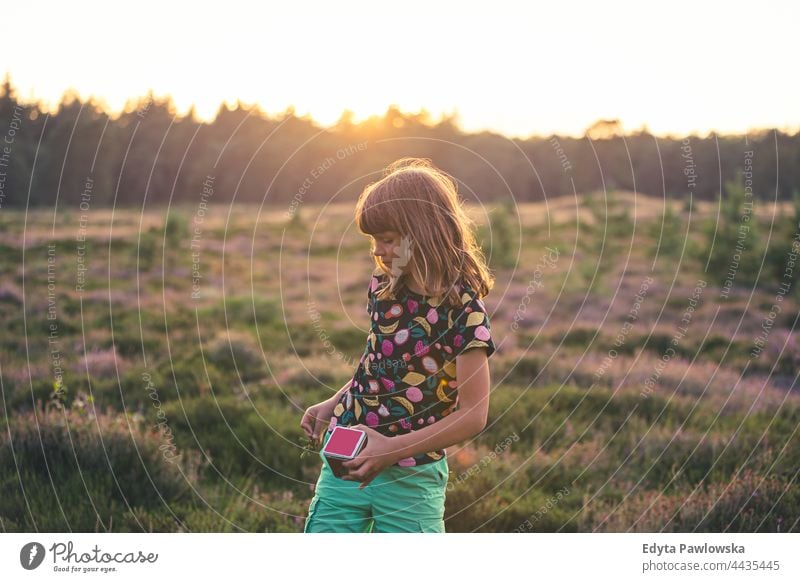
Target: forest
x=148 y=155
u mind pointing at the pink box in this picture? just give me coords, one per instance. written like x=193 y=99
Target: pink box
x=343 y=444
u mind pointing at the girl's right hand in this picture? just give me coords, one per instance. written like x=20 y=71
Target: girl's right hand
x=317 y=418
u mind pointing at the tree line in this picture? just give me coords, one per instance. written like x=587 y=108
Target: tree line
x=147 y=155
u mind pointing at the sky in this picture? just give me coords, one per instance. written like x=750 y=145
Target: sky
x=518 y=68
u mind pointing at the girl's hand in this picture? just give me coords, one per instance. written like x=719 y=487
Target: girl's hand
x=374 y=458
x=317 y=418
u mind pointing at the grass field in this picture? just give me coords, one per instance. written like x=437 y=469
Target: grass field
x=154 y=372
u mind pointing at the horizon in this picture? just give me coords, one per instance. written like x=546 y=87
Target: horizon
x=51 y=108
x=617 y=62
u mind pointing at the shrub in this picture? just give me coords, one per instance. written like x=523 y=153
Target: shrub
x=668 y=233
x=502 y=239
x=749 y=502
x=732 y=243
x=241 y=438
x=236 y=352
x=520 y=372
x=78 y=470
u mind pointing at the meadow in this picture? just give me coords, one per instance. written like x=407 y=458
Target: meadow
x=155 y=366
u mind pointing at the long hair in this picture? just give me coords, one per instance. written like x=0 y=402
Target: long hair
x=420 y=202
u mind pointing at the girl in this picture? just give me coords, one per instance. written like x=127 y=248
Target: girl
x=423 y=381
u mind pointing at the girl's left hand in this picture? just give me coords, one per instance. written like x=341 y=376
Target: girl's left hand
x=374 y=458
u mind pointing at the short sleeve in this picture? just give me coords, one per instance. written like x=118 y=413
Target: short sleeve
x=470 y=326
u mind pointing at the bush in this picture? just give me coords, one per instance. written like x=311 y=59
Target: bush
x=237 y=353
x=176 y=229
x=749 y=502
x=242 y=439
x=732 y=244
x=505 y=492
x=520 y=372
x=781 y=244
x=669 y=235
x=243 y=506
x=244 y=311
x=502 y=239
x=186 y=375
x=77 y=470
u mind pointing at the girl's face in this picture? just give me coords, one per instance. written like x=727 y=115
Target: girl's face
x=384 y=245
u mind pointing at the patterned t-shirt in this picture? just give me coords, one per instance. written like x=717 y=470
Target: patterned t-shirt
x=406 y=378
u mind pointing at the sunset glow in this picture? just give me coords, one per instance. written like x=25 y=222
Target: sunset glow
x=519 y=68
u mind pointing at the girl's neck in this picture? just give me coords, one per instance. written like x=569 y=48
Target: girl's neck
x=413 y=287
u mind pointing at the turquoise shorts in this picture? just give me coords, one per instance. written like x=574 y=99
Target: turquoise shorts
x=398 y=499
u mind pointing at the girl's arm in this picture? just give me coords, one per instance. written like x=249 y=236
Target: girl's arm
x=472 y=371
x=464 y=423
x=317 y=416
x=342 y=390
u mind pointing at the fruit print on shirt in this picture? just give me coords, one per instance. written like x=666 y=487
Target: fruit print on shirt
x=406 y=378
